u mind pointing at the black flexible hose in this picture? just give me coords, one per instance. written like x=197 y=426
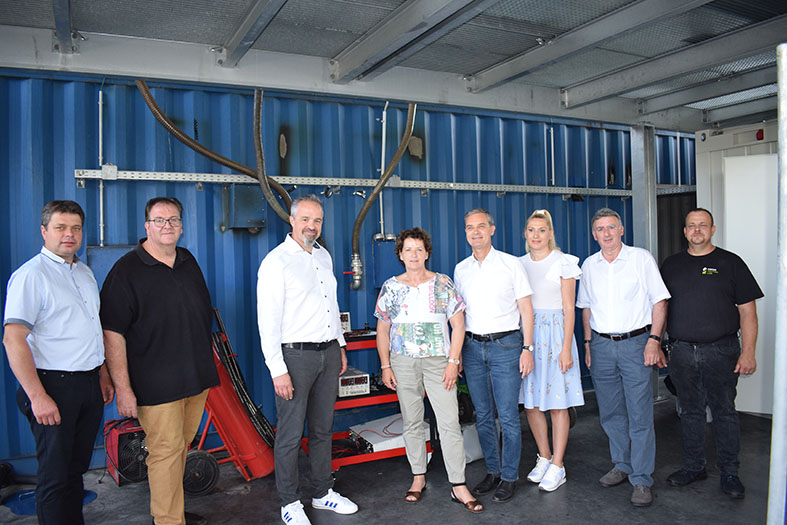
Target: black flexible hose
x=356 y=283
x=260 y=155
x=147 y=96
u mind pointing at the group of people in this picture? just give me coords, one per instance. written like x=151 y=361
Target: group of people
x=145 y=339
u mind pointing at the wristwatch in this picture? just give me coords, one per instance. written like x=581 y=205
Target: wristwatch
x=529 y=348
x=657 y=338
x=456 y=362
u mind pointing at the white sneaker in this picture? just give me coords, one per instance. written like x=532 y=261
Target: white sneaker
x=537 y=474
x=554 y=477
x=293 y=514
x=335 y=502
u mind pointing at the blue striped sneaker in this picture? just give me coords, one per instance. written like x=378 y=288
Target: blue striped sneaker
x=335 y=502
x=293 y=514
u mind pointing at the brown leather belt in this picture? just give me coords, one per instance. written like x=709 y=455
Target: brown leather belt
x=623 y=337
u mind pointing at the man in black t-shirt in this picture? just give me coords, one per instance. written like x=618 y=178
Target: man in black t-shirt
x=156 y=315
x=713 y=297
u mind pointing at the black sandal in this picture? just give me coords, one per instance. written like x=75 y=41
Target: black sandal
x=472 y=505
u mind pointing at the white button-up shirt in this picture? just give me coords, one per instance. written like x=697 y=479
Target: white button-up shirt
x=491 y=289
x=621 y=293
x=59 y=303
x=296 y=301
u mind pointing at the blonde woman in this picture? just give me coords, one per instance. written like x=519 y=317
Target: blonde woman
x=554 y=385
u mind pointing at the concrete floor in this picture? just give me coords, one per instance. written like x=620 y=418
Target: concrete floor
x=378 y=488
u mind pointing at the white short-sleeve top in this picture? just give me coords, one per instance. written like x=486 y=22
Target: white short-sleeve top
x=545 y=275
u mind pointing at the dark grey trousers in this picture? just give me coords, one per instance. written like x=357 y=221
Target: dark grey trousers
x=315 y=379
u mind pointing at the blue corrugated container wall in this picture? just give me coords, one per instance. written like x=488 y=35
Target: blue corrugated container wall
x=50 y=128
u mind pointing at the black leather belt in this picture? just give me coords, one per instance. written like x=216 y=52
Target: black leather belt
x=725 y=339
x=70 y=372
x=623 y=337
x=319 y=347
x=485 y=338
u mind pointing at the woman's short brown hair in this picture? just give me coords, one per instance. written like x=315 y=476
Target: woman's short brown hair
x=415 y=233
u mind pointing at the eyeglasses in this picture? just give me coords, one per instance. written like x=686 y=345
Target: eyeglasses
x=160 y=222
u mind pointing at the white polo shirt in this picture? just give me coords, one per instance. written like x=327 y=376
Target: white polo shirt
x=491 y=289
x=296 y=300
x=59 y=303
x=621 y=294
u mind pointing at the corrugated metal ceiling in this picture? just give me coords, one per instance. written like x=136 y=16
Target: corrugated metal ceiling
x=494 y=33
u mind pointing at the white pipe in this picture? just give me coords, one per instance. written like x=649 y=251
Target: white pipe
x=777 y=486
x=382 y=170
x=100 y=164
x=552 y=149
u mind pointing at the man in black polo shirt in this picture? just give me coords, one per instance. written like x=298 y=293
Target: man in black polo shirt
x=713 y=294
x=156 y=314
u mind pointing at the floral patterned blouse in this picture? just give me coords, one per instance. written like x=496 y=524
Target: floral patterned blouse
x=419 y=315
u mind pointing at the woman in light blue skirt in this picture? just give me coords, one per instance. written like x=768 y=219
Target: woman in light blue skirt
x=555 y=384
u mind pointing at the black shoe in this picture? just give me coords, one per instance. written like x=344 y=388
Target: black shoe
x=682 y=477
x=487 y=484
x=195 y=519
x=732 y=486
x=505 y=491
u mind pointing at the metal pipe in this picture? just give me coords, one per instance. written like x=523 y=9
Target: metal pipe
x=382 y=169
x=260 y=156
x=552 y=149
x=355 y=261
x=199 y=148
x=777 y=486
x=100 y=163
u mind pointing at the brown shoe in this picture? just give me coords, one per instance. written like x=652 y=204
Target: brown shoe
x=472 y=505
x=414 y=496
x=613 y=477
x=641 y=496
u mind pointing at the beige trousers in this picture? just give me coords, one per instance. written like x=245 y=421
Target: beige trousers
x=413 y=376
x=169 y=429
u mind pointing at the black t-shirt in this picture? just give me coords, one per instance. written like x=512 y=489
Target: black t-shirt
x=706 y=291
x=166 y=318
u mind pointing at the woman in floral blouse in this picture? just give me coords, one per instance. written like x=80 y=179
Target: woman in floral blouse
x=417 y=355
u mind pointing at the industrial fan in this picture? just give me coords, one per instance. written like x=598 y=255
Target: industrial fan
x=124 y=442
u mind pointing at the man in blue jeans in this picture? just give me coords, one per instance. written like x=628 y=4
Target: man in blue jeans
x=713 y=294
x=495 y=287
x=624 y=306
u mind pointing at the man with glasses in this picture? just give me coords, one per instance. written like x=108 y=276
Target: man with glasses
x=53 y=341
x=157 y=317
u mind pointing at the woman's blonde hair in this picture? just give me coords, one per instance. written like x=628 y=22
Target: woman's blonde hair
x=542 y=214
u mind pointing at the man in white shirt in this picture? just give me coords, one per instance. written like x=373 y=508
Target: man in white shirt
x=624 y=308
x=495 y=287
x=303 y=345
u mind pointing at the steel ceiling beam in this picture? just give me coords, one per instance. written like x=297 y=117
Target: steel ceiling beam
x=457 y=19
x=761 y=105
x=257 y=18
x=725 y=48
x=406 y=24
x=717 y=88
x=62 y=36
x=592 y=34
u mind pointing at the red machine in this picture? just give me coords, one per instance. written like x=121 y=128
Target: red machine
x=124 y=442
x=247 y=449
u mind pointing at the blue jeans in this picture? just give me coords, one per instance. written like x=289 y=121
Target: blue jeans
x=494 y=380
x=624 y=391
x=703 y=375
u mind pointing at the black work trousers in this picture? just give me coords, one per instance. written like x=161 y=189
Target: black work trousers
x=64 y=450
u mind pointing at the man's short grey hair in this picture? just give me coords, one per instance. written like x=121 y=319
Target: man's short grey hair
x=489 y=218
x=306 y=198
x=605 y=212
